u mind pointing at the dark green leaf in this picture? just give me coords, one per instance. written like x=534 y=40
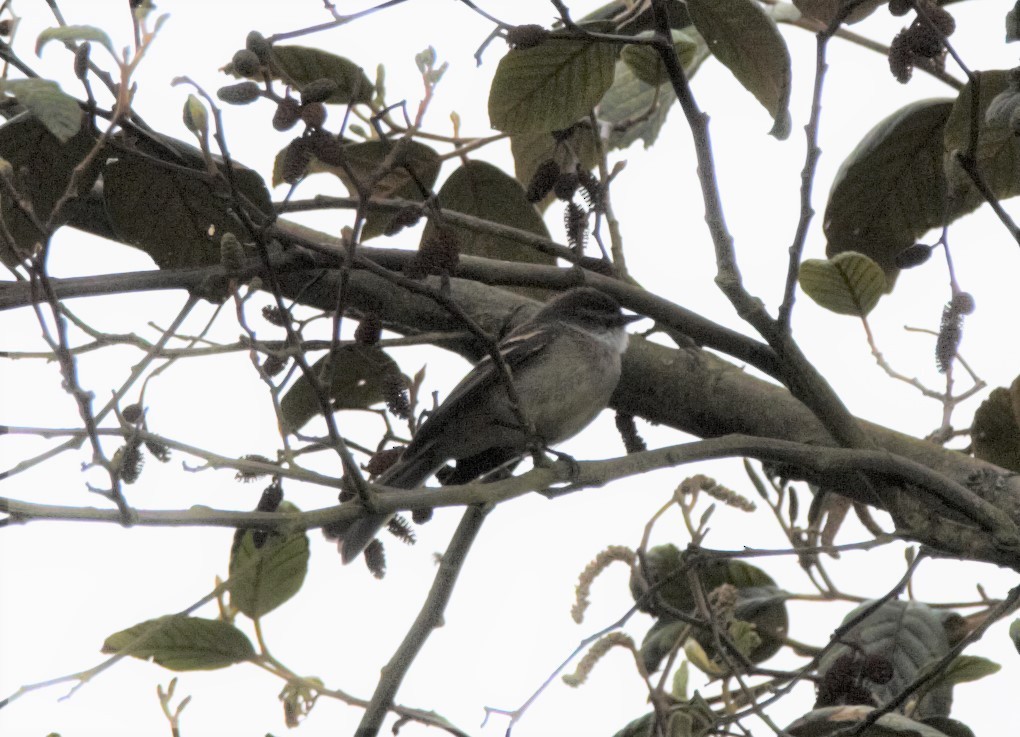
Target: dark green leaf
x=262 y=578
x=183 y=643
x=998 y=151
x=996 y=431
x=482 y=190
x=74 y=34
x=890 y=189
x=1013 y=23
x=300 y=66
x=174 y=215
x=629 y=23
x=1014 y=633
x=910 y=635
x=825 y=10
x=550 y=86
x=646 y=62
x=746 y=40
x=633 y=109
x=55 y=109
x=832 y=720
x=359 y=381
x=849 y=283
x=47 y=166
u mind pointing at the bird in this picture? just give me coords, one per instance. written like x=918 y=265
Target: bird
x=565 y=363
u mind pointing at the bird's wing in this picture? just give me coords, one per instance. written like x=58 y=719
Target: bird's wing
x=517 y=350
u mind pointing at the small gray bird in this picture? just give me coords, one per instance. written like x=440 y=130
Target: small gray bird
x=565 y=364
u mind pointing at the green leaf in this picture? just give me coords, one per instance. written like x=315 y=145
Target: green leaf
x=54 y=108
x=550 y=86
x=183 y=643
x=996 y=431
x=175 y=215
x=826 y=10
x=74 y=34
x=480 y=189
x=300 y=66
x=634 y=110
x=262 y=578
x=966 y=668
x=890 y=189
x=646 y=62
x=680 y=679
x=747 y=42
x=849 y=283
x=359 y=381
x=1014 y=633
x=831 y=720
x=998 y=151
x=46 y=164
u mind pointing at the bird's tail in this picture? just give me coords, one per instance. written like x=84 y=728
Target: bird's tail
x=355 y=535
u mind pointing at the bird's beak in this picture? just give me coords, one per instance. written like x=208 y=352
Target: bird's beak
x=627 y=319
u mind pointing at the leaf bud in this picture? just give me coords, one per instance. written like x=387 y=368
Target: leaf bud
x=231 y=252
x=195 y=117
x=81 y=60
x=242 y=93
x=258 y=45
x=246 y=63
x=318 y=91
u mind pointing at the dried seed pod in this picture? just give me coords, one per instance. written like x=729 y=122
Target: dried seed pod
x=382 y=460
x=231 y=252
x=325 y=146
x=375 y=558
x=923 y=40
x=318 y=91
x=295 y=161
x=912 y=256
x=566 y=184
x=405 y=217
x=271 y=497
x=274 y=364
x=6 y=26
x=369 y=330
x=526 y=36
x=129 y=461
x=160 y=451
x=901 y=59
x=81 y=60
x=246 y=63
x=313 y=114
x=132 y=413
x=543 y=180
x=288 y=111
x=940 y=17
x=257 y=44
x=395 y=390
x=421 y=515
x=275 y=316
x=241 y=93
x=591 y=189
x=437 y=254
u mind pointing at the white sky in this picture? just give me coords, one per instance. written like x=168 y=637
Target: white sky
x=66 y=587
